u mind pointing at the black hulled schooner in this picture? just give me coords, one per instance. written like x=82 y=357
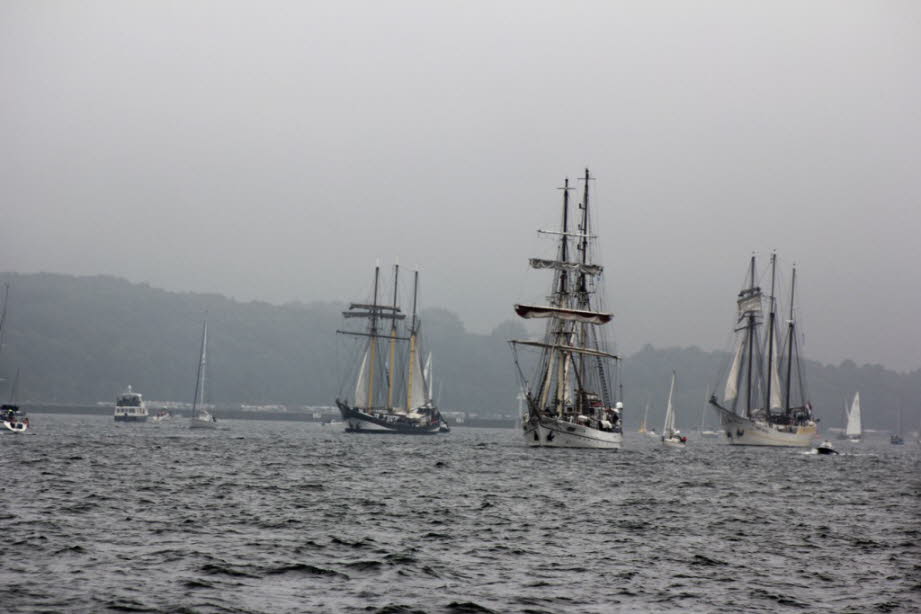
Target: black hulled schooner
x=570 y=396
x=391 y=394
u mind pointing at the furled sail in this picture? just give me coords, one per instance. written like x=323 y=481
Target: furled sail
x=361 y=386
x=570 y=315
x=571 y=349
x=732 y=381
x=559 y=265
x=750 y=303
x=854 y=427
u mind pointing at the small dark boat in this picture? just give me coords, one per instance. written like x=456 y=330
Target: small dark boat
x=826 y=448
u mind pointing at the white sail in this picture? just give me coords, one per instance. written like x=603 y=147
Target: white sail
x=776 y=395
x=668 y=429
x=428 y=377
x=417 y=394
x=854 y=428
x=361 y=386
x=732 y=381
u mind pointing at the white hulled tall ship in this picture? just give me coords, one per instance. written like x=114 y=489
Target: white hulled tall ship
x=570 y=396
x=391 y=394
x=130 y=407
x=761 y=407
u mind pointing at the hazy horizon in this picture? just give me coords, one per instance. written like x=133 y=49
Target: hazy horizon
x=275 y=151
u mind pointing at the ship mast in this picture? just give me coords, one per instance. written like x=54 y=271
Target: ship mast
x=372 y=329
x=791 y=339
x=751 y=344
x=393 y=337
x=412 y=342
x=770 y=332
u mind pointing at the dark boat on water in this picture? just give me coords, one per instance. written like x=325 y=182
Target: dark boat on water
x=390 y=395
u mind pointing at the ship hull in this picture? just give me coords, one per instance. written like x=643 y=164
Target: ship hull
x=17 y=426
x=741 y=431
x=554 y=433
x=126 y=418
x=359 y=421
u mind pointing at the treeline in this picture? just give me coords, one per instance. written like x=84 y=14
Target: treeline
x=84 y=339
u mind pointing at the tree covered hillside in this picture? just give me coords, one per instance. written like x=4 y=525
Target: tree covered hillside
x=84 y=339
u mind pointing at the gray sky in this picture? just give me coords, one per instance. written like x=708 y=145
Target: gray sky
x=275 y=150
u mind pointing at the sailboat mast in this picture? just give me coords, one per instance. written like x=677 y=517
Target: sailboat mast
x=393 y=336
x=412 y=342
x=583 y=289
x=790 y=340
x=751 y=344
x=770 y=331
x=562 y=383
x=373 y=342
x=199 y=398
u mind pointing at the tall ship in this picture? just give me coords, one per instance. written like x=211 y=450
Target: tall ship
x=391 y=394
x=130 y=407
x=570 y=394
x=764 y=400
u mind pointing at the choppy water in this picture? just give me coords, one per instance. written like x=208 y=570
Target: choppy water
x=296 y=517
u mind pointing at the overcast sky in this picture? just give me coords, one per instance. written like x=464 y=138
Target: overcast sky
x=276 y=150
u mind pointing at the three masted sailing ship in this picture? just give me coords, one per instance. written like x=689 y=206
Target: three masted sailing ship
x=764 y=396
x=391 y=394
x=569 y=399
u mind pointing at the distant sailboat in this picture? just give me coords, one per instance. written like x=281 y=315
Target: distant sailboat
x=896 y=438
x=758 y=409
x=671 y=436
x=854 y=429
x=643 y=427
x=379 y=406
x=12 y=417
x=570 y=398
x=201 y=417
x=701 y=428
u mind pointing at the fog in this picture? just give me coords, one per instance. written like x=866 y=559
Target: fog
x=277 y=150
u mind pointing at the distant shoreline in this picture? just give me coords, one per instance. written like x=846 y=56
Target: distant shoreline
x=240 y=414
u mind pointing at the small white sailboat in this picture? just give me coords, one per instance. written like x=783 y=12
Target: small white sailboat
x=702 y=429
x=201 y=417
x=854 y=429
x=643 y=428
x=671 y=436
x=13 y=418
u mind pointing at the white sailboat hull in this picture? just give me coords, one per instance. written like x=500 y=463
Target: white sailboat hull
x=16 y=426
x=554 y=433
x=673 y=442
x=203 y=423
x=741 y=431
